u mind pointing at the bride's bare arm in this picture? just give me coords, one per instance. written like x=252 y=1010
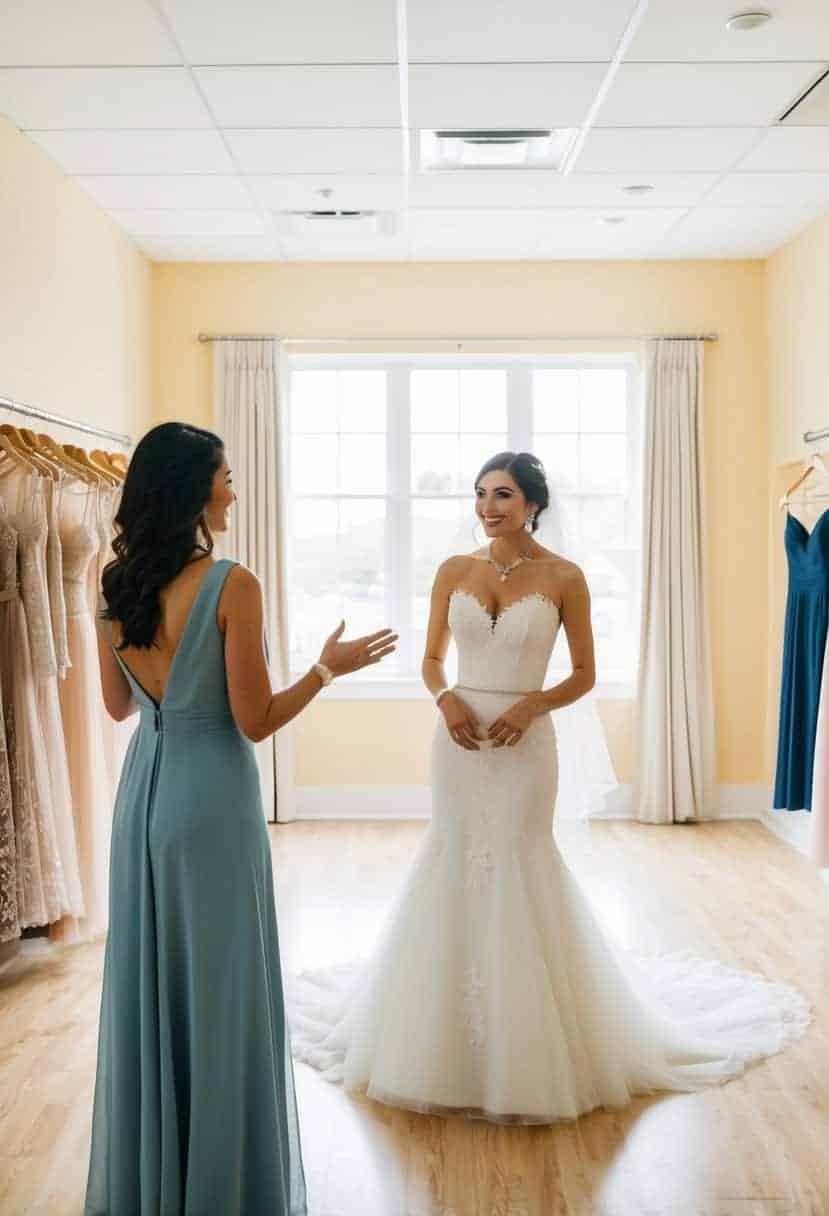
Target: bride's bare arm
x=461 y=721
x=258 y=711
x=575 y=616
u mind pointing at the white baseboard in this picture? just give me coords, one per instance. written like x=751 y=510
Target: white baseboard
x=414 y=802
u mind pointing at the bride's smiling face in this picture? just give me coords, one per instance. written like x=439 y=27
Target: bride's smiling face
x=222 y=497
x=500 y=503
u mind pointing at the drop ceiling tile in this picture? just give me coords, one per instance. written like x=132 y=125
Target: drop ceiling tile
x=502 y=94
x=703 y=94
x=737 y=231
x=145 y=152
x=101 y=98
x=260 y=31
x=543 y=189
x=798 y=30
x=665 y=150
x=492 y=31
x=190 y=223
x=794 y=149
x=188 y=190
x=770 y=189
x=317 y=152
x=209 y=249
x=354 y=95
x=336 y=191
x=107 y=32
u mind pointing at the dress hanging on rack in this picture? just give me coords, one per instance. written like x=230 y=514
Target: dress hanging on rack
x=41 y=887
x=80 y=698
x=9 y=920
x=804 y=644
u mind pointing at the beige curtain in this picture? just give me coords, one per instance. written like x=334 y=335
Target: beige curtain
x=251 y=402
x=675 y=778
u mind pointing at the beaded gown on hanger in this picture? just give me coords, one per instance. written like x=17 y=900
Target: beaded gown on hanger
x=494 y=992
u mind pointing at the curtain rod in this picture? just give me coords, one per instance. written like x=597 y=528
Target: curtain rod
x=32 y=411
x=514 y=338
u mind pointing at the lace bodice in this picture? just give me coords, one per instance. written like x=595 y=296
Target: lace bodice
x=8 y=556
x=80 y=544
x=509 y=653
x=30 y=523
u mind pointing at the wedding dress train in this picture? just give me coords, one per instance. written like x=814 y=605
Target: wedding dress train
x=494 y=992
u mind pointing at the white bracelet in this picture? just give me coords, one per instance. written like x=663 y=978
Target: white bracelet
x=441 y=693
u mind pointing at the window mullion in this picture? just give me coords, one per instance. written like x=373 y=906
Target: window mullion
x=398 y=514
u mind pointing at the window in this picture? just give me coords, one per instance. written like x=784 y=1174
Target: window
x=383 y=451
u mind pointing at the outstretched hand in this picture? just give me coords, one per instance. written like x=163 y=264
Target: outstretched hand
x=343 y=657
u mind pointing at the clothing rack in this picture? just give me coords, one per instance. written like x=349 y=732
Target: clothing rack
x=813 y=436
x=460 y=341
x=31 y=411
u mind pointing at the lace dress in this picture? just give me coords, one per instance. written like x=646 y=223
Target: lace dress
x=9 y=921
x=81 y=705
x=527 y=1010
x=41 y=885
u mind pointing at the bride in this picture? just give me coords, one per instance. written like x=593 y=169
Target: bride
x=493 y=991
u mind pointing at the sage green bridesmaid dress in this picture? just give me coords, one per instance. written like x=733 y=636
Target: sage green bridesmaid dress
x=195 y=1111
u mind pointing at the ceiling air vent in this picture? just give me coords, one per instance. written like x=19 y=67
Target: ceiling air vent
x=812 y=107
x=511 y=149
x=340 y=223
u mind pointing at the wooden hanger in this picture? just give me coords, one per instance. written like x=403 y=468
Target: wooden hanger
x=65 y=461
x=815 y=464
x=100 y=460
x=32 y=442
x=120 y=462
x=16 y=442
x=80 y=457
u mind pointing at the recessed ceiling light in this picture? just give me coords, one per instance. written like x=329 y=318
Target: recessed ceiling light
x=749 y=20
x=638 y=189
x=613 y=219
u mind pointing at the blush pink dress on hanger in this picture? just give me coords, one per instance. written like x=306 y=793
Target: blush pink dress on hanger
x=80 y=697
x=42 y=895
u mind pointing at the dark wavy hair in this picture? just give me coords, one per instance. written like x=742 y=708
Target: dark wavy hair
x=527 y=472
x=160 y=517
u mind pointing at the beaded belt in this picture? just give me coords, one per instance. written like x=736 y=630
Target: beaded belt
x=12 y=594
x=507 y=692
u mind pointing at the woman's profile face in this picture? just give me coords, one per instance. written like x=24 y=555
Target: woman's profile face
x=216 y=511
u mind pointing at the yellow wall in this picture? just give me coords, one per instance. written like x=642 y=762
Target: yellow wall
x=798 y=308
x=76 y=299
x=363 y=739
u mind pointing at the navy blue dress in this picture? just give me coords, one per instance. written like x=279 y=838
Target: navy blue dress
x=807 y=614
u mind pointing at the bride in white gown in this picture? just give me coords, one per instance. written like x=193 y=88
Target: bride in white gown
x=493 y=991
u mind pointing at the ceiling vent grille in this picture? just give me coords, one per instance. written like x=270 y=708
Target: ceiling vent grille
x=338 y=223
x=529 y=148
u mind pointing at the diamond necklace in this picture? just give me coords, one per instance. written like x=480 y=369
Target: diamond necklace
x=503 y=571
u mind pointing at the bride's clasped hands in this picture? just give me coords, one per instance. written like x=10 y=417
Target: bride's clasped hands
x=465 y=728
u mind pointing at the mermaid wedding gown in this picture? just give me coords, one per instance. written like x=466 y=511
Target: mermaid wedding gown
x=494 y=992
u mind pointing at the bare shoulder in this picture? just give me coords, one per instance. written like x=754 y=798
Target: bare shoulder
x=570 y=577
x=453 y=569
x=242 y=592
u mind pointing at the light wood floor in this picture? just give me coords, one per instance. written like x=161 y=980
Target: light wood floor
x=758 y=1146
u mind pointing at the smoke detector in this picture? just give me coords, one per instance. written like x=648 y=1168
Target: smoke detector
x=749 y=20
x=495 y=149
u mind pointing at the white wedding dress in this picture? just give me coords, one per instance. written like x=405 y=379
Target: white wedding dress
x=494 y=992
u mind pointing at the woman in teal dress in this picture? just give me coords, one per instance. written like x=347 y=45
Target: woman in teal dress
x=195 y=1112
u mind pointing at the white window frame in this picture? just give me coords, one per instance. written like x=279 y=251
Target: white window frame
x=398 y=497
